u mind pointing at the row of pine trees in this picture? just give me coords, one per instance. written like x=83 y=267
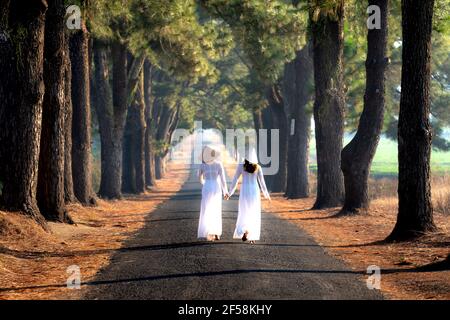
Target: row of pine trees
x=51 y=77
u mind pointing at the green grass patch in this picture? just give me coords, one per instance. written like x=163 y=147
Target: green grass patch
x=385 y=163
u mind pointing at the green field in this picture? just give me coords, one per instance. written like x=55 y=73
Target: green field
x=385 y=161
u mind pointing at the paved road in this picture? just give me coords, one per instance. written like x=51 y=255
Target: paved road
x=167 y=262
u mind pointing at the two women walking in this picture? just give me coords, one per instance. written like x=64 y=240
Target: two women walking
x=212 y=177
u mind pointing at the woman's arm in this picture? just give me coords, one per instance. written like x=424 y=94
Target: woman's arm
x=262 y=183
x=235 y=179
x=223 y=180
x=200 y=175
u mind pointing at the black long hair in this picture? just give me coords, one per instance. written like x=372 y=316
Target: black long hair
x=249 y=166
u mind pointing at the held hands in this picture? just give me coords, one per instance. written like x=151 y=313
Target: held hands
x=227 y=197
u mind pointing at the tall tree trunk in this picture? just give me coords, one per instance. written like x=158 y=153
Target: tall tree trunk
x=50 y=193
x=258 y=124
x=298 y=77
x=69 y=194
x=134 y=76
x=112 y=107
x=133 y=173
x=128 y=169
x=149 y=154
x=357 y=156
x=276 y=105
x=257 y=120
x=327 y=35
x=81 y=118
x=268 y=124
x=174 y=123
x=164 y=124
x=162 y=129
x=120 y=88
x=139 y=140
x=21 y=95
x=110 y=165
x=4 y=42
x=174 y=120
x=415 y=212
x=156 y=115
x=111 y=110
x=4 y=15
x=159 y=166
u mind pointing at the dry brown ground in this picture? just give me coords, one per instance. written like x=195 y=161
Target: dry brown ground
x=31 y=257
x=353 y=239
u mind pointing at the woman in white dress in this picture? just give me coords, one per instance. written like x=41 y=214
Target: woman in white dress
x=248 y=225
x=212 y=177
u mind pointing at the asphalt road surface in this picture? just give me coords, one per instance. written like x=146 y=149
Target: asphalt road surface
x=166 y=261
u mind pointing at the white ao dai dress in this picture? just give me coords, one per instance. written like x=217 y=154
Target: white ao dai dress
x=212 y=176
x=249 y=215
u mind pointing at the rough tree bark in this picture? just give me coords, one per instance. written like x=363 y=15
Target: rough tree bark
x=129 y=144
x=69 y=194
x=268 y=124
x=112 y=105
x=161 y=137
x=358 y=154
x=276 y=105
x=157 y=110
x=156 y=114
x=140 y=129
x=258 y=123
x=4 y=15
x=327 y=36
x=133 y=145
x=297 y=89
x=415 y=210
x=111 y=110
x=81 y=117
x=105 y=114
x=149 y=154
x=21 y=95
x=167 y=123
x=134 y=77
x=173 y=125
x=50 y=192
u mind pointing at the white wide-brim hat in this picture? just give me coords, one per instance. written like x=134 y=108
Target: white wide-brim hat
x=209 y=154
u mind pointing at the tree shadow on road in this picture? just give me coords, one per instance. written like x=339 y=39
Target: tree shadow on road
x=212 y=274
x=326 y=216
x=168 y=246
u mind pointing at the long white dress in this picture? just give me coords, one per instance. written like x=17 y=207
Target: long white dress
x=212 y=176
x=249 y=215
